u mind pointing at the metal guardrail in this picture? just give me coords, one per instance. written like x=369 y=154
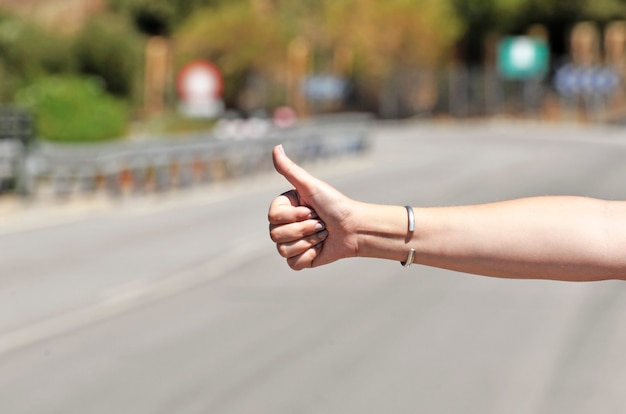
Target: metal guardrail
x=164 y=164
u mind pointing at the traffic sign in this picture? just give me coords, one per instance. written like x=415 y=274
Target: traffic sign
x=325 y=88
x=586 y=80
x=200 y=85
x=523 y=57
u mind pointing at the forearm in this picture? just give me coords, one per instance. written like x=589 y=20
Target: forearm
x=564 y=238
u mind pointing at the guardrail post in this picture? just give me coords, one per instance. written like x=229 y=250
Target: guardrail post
x=62 y=178
x=87 y=178
x=139 y=175
x=112 y=177
x=185 y=171
x=161 y=174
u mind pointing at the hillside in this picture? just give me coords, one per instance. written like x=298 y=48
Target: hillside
x=66 y=15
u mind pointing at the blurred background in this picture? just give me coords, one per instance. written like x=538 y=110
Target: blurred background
x=120 y=71
x=136 y=273
x=393 y=59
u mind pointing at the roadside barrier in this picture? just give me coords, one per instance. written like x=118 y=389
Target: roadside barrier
x=160 y=165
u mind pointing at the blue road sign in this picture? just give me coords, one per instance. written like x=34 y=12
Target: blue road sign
x=325 y=88
x=581 y=80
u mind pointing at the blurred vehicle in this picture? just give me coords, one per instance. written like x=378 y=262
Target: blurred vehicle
x=284 y=117
x=233 y=125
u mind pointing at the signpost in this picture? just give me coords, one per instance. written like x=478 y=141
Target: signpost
x=200 y=86
x=523 y=58
x=17 y=133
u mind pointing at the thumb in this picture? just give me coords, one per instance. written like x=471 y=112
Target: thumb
x=296 y=175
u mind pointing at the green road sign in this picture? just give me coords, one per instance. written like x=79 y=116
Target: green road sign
x=523 y=57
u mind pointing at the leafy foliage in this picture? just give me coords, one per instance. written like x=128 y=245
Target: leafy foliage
x=108 y=48
x=381 y=35
x=484 y=17
x=27 y=52
x=394 y=33
x=73 y=109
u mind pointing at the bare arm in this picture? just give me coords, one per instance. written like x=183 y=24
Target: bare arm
x=562 y=238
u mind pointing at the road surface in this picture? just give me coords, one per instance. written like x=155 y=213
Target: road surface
x=182 y=305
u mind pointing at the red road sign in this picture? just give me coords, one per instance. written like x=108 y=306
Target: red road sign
x=199 y=81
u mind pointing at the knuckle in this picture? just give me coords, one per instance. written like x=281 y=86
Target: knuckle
x=272 y=216
x=303 y=229
x=273 y=235
x=282 y=250
x=295 y=263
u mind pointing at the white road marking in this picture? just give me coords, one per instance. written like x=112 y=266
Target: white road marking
x=132 y=296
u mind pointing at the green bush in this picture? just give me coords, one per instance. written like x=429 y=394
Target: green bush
x=74 y=110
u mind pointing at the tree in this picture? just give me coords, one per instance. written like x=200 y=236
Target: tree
x=108 y=48
x=483 y=17
x=242 y=36
x=393 y=33
x=236 y=38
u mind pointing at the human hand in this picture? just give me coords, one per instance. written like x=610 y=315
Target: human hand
x=313 y=224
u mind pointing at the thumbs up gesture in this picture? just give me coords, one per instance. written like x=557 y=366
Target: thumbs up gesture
x=313 y=224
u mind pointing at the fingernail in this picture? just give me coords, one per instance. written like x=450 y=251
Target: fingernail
x=281 y=149
x=312 y=214
x=319 y=225
x=322 y=234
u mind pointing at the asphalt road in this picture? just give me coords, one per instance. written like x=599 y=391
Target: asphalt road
x=182 y=305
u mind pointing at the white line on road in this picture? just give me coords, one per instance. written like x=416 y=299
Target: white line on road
x=132 y=296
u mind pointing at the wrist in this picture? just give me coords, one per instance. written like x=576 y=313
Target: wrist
x=382 y=232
